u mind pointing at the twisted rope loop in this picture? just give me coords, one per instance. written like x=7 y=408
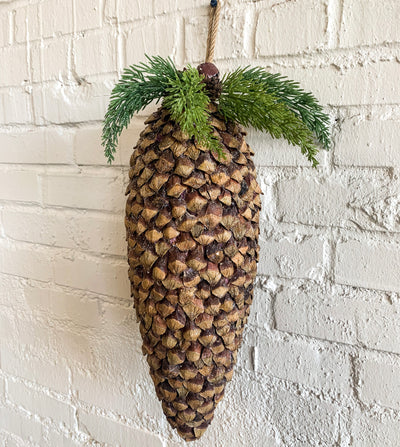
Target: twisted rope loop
x=213 y=29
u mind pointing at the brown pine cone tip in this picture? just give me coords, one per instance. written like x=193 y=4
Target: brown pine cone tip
x=211 y=79
x=192 y=224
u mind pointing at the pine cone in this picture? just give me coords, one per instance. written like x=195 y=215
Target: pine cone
x=192 y=224
x=211 y=79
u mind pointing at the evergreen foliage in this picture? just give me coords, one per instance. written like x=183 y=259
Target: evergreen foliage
x=302 y=103
x=250 y=96
x=188 y=102
x=247 y=101
x=138 y=87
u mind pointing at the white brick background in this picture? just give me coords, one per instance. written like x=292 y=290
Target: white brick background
x=320 y=364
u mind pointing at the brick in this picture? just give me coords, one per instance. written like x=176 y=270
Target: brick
x=5 y=438
x=272 y=152
x=94 y=232
x=95 y=52
x=356 y=318
x=11 y=291
x=304 y=363
x=60 y=439
x=168 y=6
x=87 y=15
x=379 y=383
x=159 y=37
x=341 y=200
x=231 y=31
x=2 y=108
x=6 y=326
x=27 y=23
x=66 y=190
x=50 y=60
x=288 y=259
x=341 y=87
x=56 y=17
x=117 y=318
x=316 y=315
x=73 y=346
x=51 y=338
x=291 y=27
x=89 y=151
x=4 y=28
x=371 y=142
x=96 y=275
x=368 y=264
x=378 y=323
x=107 y=431
x=127 y=398
x=15 y=106
x=58 y=103
x=261 y=313
x=61 y=305
x=23 y=260
x=127 y=11
x=114 y=364
x=39 y=403
x=2 y=388
x=51 y=374
x=376 y=205
x=14 y=147
x=19 y=331
x=305 y=420
x=26 y=428
x=58 y=143
x=368 y=23
x=374 y=430
x=314 y=201
x=37 y=146
x=18 y=185
x=15 y=59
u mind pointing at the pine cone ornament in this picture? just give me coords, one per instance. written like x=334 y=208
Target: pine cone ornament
x=211 y=79
x=192 y=217
x=192 y=229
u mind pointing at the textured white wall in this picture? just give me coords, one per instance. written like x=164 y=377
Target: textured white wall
x=320 y=364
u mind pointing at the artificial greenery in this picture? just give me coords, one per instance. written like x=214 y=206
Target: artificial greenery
x=246 y=101
x=302 y=103
x=250 y=96
x=188 y=102
x=138 y=87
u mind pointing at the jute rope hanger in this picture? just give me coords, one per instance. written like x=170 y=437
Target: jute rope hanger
x=213 y=29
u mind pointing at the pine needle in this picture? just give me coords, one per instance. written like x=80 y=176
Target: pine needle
x=250 y=96
x=138 y=87
x=248 y=102
x=188 y=102
x=302 y=104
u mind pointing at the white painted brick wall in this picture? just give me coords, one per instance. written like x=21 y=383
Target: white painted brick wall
x=320 y=363
x=379 y=382
x=295 y=36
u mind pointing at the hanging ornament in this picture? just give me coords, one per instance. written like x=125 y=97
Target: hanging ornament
x=192 y=214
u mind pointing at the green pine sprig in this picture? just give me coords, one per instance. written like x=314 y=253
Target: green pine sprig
x=138 y=87
x=246 y=101
x=302 y=104
x=188 y=103
x=250 y=96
